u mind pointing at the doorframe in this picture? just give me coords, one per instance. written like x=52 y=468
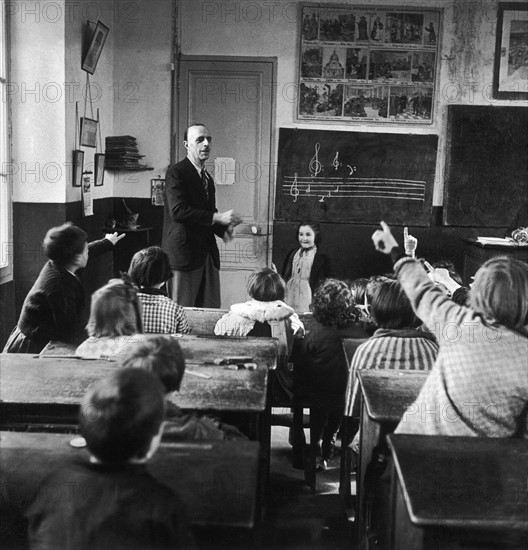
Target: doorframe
x=177 y=132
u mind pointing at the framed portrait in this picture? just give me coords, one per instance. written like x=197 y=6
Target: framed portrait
x=95 y=48
x=510 y=75
x=99 y=166
x=88 y=132
x=77 y=170
x=368 y=64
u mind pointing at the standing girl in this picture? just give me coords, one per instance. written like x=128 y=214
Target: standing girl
x=305 y=267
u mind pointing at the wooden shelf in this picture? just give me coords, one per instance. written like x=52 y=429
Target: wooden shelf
x=138 y=169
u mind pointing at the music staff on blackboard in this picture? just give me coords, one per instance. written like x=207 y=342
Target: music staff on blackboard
x=315 y=166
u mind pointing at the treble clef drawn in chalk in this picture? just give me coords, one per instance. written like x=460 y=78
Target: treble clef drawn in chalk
x=294 y=190
x=352 y=169
x=315 y=166
x=335 y=163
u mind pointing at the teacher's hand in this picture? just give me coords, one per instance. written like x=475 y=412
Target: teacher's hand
x=383 y=239
x=226 y=218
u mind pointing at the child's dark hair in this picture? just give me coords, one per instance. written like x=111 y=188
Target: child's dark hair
x=359 y=289
x=390 y=307
x=333 y=304
x=121 y=414
x=61 y=244
x=266 y=285
x=160 y=355
x=316 y=228
x=150 y=267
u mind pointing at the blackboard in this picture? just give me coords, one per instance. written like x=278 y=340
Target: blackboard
x=486 y=165
x=355 y=177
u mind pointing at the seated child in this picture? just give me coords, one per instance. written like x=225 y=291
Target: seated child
x=265 y=312
x=149 y=271
x=320 y=366
x=112 y=501
x=478 y=384
x=115 y=321
x=162 y=356
x=397 y=344
x=266 y=315
x=52 y=309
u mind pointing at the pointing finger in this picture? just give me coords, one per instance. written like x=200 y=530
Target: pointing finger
x=384 y=226
x=405 y=233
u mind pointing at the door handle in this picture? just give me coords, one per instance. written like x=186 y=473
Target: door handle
x=250 y=229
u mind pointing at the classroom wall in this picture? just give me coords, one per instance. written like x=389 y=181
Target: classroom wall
x=133 y=87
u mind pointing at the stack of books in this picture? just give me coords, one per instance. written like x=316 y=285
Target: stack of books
x=122 y=154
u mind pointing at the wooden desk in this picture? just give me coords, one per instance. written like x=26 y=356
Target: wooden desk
x=477 y=254
x=454 y=492
x=385 y=395
x=218 y=480
x=53 y=381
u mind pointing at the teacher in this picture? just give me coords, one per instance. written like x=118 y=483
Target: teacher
x=191 y=222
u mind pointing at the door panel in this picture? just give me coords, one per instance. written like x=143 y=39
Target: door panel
x=233 y=98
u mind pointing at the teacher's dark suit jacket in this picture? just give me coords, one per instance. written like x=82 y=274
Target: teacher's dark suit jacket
x=188 y=233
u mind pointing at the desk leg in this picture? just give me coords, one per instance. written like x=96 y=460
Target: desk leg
x=264 y=437
x=369 y=438
x=403 y=534
x=345 y=465
x=298 y=441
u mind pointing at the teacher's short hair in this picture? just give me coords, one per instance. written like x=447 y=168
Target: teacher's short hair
x=186 y=132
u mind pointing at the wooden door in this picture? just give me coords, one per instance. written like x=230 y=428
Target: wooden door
x=233 y=97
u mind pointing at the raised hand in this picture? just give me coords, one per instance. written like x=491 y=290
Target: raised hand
x=410 y=243
x=383 y=239
x=114 y=237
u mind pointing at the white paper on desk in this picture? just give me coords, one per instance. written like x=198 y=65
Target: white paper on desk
x=224 y=170
x=496 y=241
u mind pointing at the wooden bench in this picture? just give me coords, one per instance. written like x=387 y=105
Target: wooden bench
x=218 y=481
x=458 y=492
x=203 y=320
x=385 y=395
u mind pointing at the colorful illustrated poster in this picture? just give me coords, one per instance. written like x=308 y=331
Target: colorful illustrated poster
x=367 y=65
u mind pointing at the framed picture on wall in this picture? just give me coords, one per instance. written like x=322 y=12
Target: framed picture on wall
x=95 y=48
x=99 y=162
x=368 y=64
x=510 y=75
x=88 y=132
x=77 y=167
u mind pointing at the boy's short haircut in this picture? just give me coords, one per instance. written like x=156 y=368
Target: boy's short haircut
x=390 y=307
x=333 y=304
x=62 y=243
x=500 y=292
x=316 y=228
x=150 y=267
x=120 y=415
x=266 y=285
x=115 y=310
x=162 y=356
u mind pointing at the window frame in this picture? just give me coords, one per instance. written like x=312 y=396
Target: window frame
x=6 y=194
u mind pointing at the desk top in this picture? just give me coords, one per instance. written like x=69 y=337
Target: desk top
x=217 y=480
x=32 y=379
x=387 y=394
x=463 y=482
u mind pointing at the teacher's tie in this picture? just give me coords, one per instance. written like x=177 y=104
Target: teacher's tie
x=205 y=182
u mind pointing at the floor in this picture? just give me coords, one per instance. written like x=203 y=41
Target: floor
x=296 y=518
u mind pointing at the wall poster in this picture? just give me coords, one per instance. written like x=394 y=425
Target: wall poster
x=364 y=64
